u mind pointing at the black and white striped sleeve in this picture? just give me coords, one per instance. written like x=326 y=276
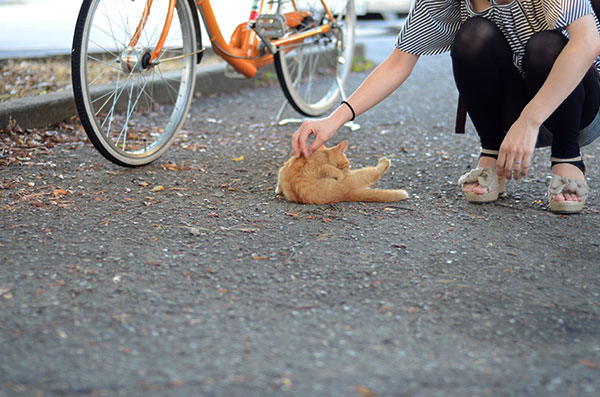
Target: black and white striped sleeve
x=430 y=27
x=560 y=13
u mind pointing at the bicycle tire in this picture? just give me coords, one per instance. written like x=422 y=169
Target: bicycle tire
x=308 y=72
x=131 y=110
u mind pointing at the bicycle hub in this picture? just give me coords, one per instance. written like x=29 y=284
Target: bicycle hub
x=134 y=60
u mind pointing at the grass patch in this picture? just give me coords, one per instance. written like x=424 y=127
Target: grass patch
x=362 y=64
x=20 y=78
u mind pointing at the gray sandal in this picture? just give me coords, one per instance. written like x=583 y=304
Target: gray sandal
x=560 y=184
x=484 y=177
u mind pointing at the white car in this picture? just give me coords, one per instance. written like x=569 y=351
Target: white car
x=389 y=9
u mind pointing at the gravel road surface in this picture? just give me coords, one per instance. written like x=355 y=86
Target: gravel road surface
x=190 y=277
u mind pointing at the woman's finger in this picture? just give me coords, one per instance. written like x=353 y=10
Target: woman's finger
x=500 y=163
x=506 y=166
x=299 y=140
x=525 y=164
x=315 y=145
x=516 y=169
x=306 y=134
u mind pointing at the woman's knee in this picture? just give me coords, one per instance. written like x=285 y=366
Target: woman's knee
x=541 y=51
x=474 y=37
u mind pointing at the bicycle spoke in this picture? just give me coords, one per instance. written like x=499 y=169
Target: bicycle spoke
x=132 y=111
x=309 y=71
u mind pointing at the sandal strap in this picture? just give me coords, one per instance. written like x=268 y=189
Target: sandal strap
x=571 y=160
x=483 y=176
x=559 y=184
x=488 y=151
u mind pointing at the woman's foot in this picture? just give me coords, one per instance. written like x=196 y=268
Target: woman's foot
x=475 y=187
x=567 y=170
x=482 y=185
x=568 y=189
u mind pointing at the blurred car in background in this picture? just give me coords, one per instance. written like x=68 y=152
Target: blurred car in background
x=388 y=9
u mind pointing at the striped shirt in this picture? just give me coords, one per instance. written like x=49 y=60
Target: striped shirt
x=432 y=24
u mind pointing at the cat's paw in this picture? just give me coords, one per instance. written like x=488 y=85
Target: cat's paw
x=384 y=164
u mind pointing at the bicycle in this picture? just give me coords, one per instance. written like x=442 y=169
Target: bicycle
x=134 y=63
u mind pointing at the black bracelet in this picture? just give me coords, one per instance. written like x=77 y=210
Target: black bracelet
x=351 y=109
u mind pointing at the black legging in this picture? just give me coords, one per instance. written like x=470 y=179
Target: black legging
x=495 y=92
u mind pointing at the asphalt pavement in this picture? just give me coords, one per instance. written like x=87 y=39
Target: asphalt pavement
x=190 y=277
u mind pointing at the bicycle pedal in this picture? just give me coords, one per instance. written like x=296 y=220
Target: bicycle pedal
x=270 y=25
x=231 y=73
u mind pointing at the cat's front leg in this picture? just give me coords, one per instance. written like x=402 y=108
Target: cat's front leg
x=329 y=171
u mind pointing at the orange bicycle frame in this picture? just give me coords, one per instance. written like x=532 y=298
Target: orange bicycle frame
x=165 y=31
x=242 y=52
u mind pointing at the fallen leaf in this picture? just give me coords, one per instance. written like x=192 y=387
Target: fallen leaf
x=385 y=309
x=170 y=167
x=259 y=258
x=287 y=383
x=588 y=363
x=158 y=189
x=410 y=309
x=365 y=391
x=5 y=289
x=59 y=192
x=238 y=159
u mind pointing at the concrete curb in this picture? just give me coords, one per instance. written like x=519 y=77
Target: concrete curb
x=43 y=110
x=40 y=111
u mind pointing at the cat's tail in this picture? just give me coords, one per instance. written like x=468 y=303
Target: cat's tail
x=376 y=195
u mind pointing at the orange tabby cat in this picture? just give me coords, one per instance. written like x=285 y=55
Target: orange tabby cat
x=326 y=177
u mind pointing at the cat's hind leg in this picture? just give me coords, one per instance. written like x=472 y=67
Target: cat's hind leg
x=369 y=175
x=377 y=195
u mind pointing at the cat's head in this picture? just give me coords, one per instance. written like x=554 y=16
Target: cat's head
x=336 y=155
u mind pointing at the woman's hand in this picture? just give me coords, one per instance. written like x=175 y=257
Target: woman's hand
x=322 y=129
x=380 y=83
x=517 y=148
x=569 y=68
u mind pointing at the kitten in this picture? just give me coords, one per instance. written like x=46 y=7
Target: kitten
x=326 y=177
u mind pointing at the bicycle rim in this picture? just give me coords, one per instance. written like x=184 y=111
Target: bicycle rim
x=311 y=73
x=131 y=110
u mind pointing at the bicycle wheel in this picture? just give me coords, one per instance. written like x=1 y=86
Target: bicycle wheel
x=131 y=108
x=311 y=73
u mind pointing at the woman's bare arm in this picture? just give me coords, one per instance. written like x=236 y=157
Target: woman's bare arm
x=567 y=72
x=380 y=83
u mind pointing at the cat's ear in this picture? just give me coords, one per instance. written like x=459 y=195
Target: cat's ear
x=341 y=147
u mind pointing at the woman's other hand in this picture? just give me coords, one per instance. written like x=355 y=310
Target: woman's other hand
x=517 y=148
